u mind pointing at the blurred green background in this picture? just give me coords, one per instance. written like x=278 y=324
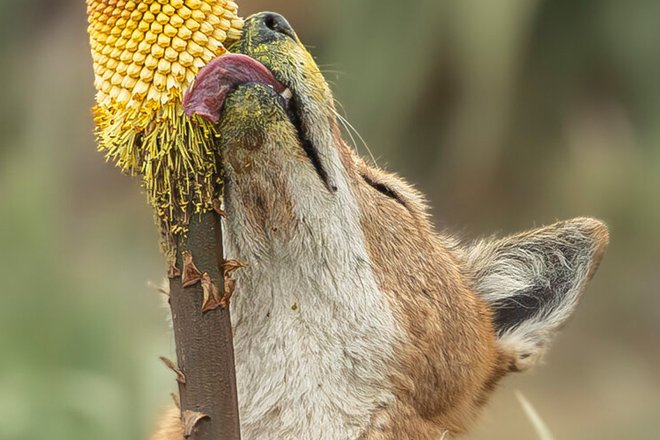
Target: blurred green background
x=508 y=114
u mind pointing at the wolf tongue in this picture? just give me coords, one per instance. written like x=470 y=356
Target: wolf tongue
x=214 y=82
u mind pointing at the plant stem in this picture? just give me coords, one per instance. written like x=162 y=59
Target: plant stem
x=204 y=340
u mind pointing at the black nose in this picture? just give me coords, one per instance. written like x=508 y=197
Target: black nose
x=273 y=24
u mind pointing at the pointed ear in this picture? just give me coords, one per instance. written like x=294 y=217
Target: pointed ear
x=533 y=281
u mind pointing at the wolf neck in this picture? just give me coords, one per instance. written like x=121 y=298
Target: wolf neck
x=310 y=322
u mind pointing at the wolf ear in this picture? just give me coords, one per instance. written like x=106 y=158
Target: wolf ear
x=533 y=281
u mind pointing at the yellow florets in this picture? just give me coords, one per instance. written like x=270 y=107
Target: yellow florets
x=146 y=53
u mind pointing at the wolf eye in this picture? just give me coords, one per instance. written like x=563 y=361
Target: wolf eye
x=383 y=189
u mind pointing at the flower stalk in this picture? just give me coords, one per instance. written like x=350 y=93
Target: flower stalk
x=146 y=53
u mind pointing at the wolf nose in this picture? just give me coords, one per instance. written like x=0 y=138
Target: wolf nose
x=273 y=24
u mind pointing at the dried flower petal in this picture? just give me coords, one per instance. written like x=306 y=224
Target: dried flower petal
x=231 y=266
x=191 y=275
x=212 y=298
x=180 y=377
x=190 y=419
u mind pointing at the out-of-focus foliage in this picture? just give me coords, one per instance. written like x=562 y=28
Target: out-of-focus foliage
x=508 y=114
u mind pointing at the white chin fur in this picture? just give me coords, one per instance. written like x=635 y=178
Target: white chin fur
x=313 y=333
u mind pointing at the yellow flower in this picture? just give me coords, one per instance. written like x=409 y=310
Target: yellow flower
x=146 y=53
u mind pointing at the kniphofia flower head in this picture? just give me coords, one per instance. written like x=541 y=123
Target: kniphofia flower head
x=146 y=53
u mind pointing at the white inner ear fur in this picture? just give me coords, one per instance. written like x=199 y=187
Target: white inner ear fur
x=533 y=282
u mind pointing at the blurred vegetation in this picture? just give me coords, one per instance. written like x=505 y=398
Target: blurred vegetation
x=508 y=114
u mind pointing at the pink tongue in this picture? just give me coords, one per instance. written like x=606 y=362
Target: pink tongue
x=215 y=80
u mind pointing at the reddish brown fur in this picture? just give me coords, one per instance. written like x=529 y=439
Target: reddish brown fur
x=169 y=426
x=450 y=362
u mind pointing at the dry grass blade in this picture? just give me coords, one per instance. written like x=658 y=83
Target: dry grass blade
x=537 y=422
